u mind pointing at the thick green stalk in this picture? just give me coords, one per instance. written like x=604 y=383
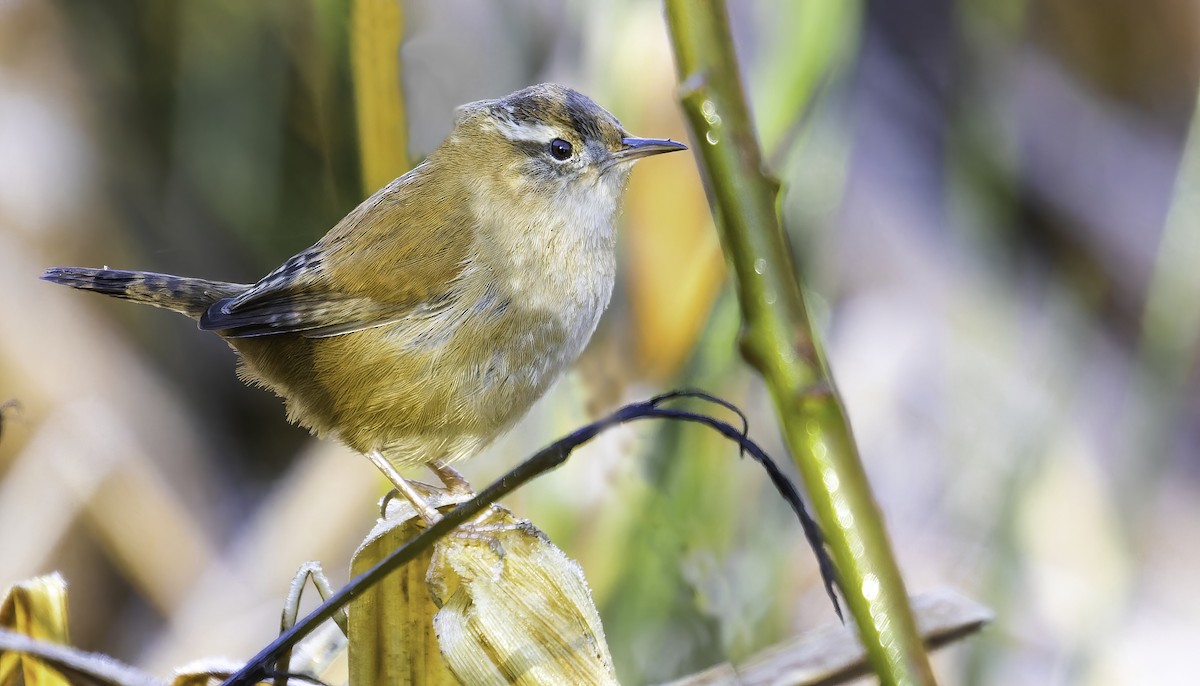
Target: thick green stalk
x=777 y=339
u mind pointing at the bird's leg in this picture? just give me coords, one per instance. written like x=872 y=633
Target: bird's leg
x=450 y=478
x=424 y=510
x=457 y=484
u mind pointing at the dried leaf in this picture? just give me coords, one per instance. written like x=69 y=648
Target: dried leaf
x=38 y=609
x=515 y=609
x=391 y=625
x=493 y=603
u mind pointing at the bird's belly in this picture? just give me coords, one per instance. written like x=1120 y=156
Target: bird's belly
x=435 y=388
x=420 y=394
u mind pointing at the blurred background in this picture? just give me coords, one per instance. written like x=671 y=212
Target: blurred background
x=992 y=205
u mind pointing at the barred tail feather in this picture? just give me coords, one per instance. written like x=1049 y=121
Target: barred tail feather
x=186 y=296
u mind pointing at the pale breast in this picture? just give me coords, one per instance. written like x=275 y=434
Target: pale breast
x=452 y=381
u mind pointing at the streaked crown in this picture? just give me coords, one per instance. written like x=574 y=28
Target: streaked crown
x=560 y=133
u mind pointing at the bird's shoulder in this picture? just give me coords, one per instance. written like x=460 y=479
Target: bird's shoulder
x=396 y=255
x=405 y=243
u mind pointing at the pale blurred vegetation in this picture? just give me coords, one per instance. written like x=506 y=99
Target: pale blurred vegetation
x=984 y=198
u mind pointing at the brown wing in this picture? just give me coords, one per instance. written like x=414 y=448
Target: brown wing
x=392 y=257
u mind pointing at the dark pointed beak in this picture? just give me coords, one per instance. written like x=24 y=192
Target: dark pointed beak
x=637 y=148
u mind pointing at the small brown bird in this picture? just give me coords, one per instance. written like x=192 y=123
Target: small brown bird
x=430 y=319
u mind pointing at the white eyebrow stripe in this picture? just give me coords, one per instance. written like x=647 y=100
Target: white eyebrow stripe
x=520 y=131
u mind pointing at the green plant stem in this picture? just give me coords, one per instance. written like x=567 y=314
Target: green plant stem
x=777 y=339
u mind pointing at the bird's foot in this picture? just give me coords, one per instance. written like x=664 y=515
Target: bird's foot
x=455 y=482
x=491 y=528
x=424 y=510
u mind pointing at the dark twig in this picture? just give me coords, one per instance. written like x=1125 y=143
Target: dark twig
x=701 y=395
x=541 y=462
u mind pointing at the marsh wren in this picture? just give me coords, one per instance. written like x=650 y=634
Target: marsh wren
x=430 y=318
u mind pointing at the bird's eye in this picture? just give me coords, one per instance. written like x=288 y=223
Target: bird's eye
x=560 y=149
